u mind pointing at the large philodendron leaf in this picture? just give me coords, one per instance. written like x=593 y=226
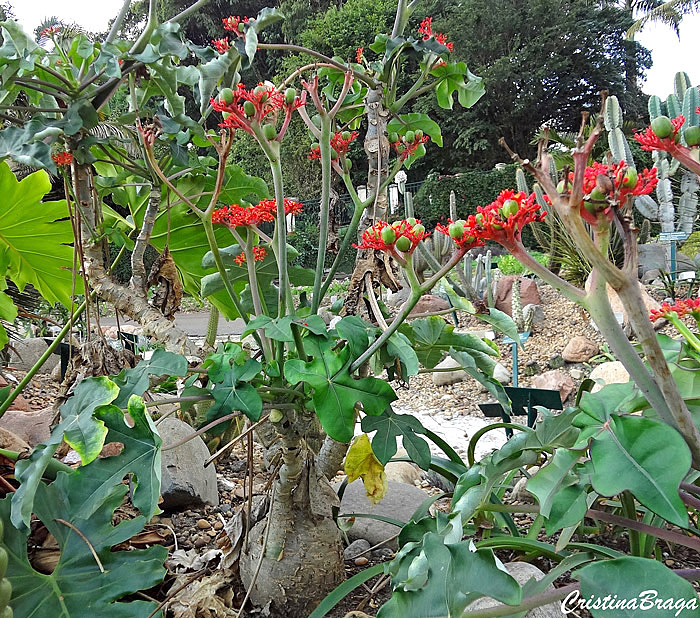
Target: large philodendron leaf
x=36 y=236
x=79 y=428
x=455 y=77
x=646 y=457
x=647 y=586
x=336 y=391
x=77 y=509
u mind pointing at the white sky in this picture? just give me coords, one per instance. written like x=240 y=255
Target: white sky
x=669 y=54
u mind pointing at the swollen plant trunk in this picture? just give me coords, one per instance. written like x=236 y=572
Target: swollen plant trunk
x=303 y=552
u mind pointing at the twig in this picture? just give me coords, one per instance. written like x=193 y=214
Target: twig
x=384 y=542
x=206 y=427
x=82 y=536
x=373 y=302
x=236 y=439
x=268 y=526
x=381 y=582
x=170 y=596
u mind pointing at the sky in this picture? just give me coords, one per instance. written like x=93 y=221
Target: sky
x=669 y=54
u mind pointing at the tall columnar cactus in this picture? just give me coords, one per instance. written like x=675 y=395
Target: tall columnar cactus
x=523 y=317
x=477 y=272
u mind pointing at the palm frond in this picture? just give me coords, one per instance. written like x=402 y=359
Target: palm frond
x=668 y=13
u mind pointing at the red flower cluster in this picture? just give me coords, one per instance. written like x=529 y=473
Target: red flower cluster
x=680 y=308
x=358 y=55
x=426 y=29
x=622 y=181
x=47 y=32
x=259 y=254
x=233 y=24
x=406 y=149
x=62 y=158
x=339 y=143
x=386 y=237
x=466 y=241
x=504 y=219
x=264 y=212
x=253 y=105
x=650 y=141
x=222 y=45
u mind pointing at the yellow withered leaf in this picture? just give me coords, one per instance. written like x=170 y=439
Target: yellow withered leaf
x=361 y=462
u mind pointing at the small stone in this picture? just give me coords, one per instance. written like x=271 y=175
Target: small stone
x=669 y=563
x=203 y=524
x=555 y=380
x=579 y=350
x=445 y=378
x=501 y=374
x=576 y=374
x=361 y=561
x=200 y=542
x=225 y=508
x=212 y=533
x=356 y=548
x=609 y=373
x=218 y=525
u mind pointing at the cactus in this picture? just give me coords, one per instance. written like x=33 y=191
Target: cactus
x=644 y=232
x=477 y=272
x=523 y=319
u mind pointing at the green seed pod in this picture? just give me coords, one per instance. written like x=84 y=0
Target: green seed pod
x=692 y=136
x=388 y=235
x=258 y=90
x=410 y=137
x=315 y=145
x=276 y=415
x=590 y=207
x=631 y=176
x=393 y=137
x=403 y=244
x=411 y=221
x=510 y=207
x=225 y=115
x=289 y=95
x=334 y=154
x=597 y=195
x=249 y=109
x=241 y=27
x=419 y=229
x=461 y=222
x=226 y=96
x=563 y=186
x=347 y=165
x=3 y=562
x=456 y=231
x=419 y=134
x=662 y=127
x=346 y=135
x=479 y=218
x=270 y=131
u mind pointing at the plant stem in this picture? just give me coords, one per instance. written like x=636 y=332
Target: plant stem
x=54 y=464
x=537 y=600
x=630 y=511
x=280 y=237
x=326 y=172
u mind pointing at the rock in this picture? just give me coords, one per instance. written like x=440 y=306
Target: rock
x=12 y=442
x=538 y=312
x=326 y=316
x=529 y=294
x=32 y=427
x=402 y=472
x=519 y=493
x=429 y=304
x=444 y=378
x=576 y=374
x=396 y=299
x=613 y=372
x=522 y=572
x=579 y=350
x=481 y=333
x=334 y=321
x=555 y=380
x=361 y=561
x=356 y=548
x=28 y=351
x=502 y=374
x=356 y=614
x=400 y=502
x=20 y=404
x=652 y=256
x=185 y=480
x=56 y=373
x=203 y=524
x=616 y=304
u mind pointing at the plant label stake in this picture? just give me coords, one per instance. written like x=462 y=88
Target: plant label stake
x=672 y=238
x=508 y=340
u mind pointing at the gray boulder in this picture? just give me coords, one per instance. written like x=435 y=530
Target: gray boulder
x=400 y=502
x=184 y=479
x=652 y=256
x=28 y=351
x=356 y=548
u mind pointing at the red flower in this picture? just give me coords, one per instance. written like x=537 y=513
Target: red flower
x=358 y=54
x=259 y=254
x=504 y=219
x=264 y=212
x=232 y=24
x=426 y=29
x=372 y=238
x=222 y=45
x=406 y=149
x=339 y=143
x=650 y=141
x=680 y=308
x=469 y=240
x=63 y=158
